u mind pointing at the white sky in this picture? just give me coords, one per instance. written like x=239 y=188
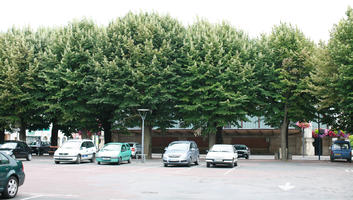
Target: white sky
x=314 y=17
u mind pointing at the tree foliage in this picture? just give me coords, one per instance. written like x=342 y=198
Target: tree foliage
x=340 y=48
x=215 y=87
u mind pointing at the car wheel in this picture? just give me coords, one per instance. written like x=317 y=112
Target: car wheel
x=98 y=163
x=247 y=157
x=232 y=164
x=57 y=162
x=197 y=161
x=119 y=161
x=78 y=159
x=29 y=157
x=11 y=187
x=93 y=158
x=208 y=164
x=165 y=165
x=236 y=164
x=129 y=161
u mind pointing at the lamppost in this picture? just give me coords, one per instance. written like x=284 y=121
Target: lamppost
x=143 y=113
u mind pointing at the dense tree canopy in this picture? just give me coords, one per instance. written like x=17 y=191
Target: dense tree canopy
x=284 y=71
x=216 y=84
x=82 y=77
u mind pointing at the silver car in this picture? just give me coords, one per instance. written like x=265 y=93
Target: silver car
x=181 y=153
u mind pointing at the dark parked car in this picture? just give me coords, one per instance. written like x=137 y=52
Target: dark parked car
x=18 y=149
x=39 y=147
x=242 y=150
x=341 y=150
x=11 y=175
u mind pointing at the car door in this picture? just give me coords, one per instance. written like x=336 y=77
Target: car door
x=197 y=152
x=123 y=152
x=4 y=170
x=84 y=151
x=91 y=149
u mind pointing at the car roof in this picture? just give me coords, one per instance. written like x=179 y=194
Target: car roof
x=116 y=143
x=341 y=141
x=239 y=145
x=182 y=141
x=13 y=141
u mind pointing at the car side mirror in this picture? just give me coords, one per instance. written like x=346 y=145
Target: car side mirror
x=83 y=148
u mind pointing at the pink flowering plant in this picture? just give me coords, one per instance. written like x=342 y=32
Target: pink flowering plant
x=329 y=133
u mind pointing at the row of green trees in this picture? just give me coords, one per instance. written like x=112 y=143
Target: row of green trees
x=90 y=78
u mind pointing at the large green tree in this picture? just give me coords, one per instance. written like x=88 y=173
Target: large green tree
x=340 y=48
x=283 y=70
x=20 y=97
x=216 y=82
x=147 y=49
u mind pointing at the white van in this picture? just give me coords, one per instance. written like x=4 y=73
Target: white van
x=75 y=150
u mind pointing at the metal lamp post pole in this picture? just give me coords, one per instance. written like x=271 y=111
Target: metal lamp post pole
x=303 y=141
x=143 y=113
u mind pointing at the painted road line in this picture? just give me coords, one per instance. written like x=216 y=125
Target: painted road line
x=286 y=187
x=33 y=197
x=36 y=195
x=229 y=171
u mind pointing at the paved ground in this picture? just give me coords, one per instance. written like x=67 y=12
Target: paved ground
x=258 y=178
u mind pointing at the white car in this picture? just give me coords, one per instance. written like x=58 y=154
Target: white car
x=224 y=154
x=75 y=150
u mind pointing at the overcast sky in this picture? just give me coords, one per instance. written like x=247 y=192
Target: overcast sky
x=314 y=17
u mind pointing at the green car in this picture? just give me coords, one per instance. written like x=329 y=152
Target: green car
x=11 y=175
x=114 y=153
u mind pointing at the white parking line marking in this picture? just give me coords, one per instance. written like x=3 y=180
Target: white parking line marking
x=227 y=172
x=36 y=196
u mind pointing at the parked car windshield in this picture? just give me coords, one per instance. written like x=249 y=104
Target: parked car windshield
x=239 y=147
x=71 y=145
x=179 y=146
x=222 y=148
x=339 y=146
x=112 y=147
x=8 y=145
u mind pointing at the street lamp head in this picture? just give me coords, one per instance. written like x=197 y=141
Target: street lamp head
x=143 y=110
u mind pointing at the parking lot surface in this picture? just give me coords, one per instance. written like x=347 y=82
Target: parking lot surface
x=257 y=178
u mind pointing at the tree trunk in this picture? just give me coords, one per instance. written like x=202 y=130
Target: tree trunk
x=211 y=140
x=2 y=135
x=107 y=127
x=284 y=135
x=219 y=136
x=84 y=134
x=148 y=141
x=54 y=134
x=22 y=130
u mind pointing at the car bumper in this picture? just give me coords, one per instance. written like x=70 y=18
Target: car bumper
x=223 y=161
x=107 y=159
x=65 y=158
x=175 y=161
x=21 y=178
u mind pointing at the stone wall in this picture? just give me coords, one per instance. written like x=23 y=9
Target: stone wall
x=264 y=142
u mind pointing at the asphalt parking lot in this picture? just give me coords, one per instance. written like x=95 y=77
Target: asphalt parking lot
x=257 y=178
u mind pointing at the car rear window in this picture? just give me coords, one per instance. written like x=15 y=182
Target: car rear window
x=340 y=146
